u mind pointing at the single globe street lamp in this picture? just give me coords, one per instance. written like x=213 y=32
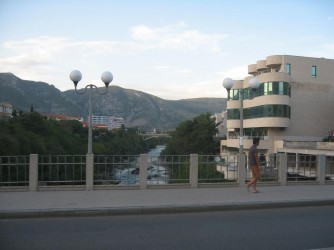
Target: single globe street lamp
x=228 y=85
x=106 y=77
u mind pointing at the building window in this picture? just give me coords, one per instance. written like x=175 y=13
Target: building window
x=267 y=88
x=288 y=68
x=256 y=132
x=234 y=94
x=273 y=110
x=270 y=88
x=314 y=71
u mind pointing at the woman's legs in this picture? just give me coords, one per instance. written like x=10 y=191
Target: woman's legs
x=255 y=176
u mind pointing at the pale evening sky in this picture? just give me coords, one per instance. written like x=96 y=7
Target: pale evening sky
x=173 y=49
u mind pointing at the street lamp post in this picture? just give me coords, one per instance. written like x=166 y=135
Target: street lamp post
x=106 y=77
x=253 y=84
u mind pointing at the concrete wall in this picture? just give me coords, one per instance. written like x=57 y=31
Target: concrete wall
x=312 y=99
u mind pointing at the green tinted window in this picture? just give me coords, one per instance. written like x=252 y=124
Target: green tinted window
x=270 y=88
x=234 y=94
x=314 y=71
x=288 y=68
x=260 y=111
x=267 y=88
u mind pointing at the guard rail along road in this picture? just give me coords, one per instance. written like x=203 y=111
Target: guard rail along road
x=95 y=172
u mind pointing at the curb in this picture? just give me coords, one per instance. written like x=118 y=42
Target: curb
x=170 y=209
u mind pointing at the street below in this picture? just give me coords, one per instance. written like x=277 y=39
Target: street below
x=284 y=228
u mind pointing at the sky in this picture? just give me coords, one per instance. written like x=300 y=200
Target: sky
x=173 y=49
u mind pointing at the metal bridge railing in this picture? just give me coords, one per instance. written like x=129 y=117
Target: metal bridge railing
x=14 y=170
x=270 y=169
x=217 y=170
x=143 y=171
x=116 y=169
x=330 y=169
x=169 y=169
x=61 y=170
x=302 y=168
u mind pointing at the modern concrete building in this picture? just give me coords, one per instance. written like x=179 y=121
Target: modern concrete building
x=110 y=121
x=294 y=105
x=219 y=121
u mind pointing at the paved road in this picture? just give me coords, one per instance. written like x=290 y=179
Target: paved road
x=284 y=228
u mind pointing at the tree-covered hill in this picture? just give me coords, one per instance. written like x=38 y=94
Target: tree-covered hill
x=32 y=133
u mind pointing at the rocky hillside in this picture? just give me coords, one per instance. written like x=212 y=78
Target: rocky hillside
x=138 y=109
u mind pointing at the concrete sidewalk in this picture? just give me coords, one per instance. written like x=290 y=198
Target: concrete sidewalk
x=151 y=201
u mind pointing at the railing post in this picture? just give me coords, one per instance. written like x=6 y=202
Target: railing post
x=193 y=172
x=33 y=172
x=242 y=169
x=282 y=168
x=89 y=172
x=321 y=169
x=143 y=171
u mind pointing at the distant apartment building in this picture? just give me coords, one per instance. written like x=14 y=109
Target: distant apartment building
x=6 y=110
x=294 y=103
x=110 y=121
x=220 y=125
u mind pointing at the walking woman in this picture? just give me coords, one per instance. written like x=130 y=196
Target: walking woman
x=254 y=163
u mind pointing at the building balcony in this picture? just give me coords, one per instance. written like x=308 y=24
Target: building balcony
x=274 y=61
x=252 y=69
x=263 y=100
x=269 y=122
x=261 y=65
x=233 y=142
x=312 y=145
x=273 y=76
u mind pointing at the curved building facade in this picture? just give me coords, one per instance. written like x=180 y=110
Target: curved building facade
x=294 y=102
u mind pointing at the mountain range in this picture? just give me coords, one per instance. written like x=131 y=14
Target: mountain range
x=138 y=109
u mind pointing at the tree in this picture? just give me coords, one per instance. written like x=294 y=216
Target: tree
x=120 y=142
x=8 y=144
x=193 y=136
x=32 y=133
x=14 y=113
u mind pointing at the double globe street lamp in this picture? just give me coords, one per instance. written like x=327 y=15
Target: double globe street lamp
x=228 y=85
x=106 y=77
